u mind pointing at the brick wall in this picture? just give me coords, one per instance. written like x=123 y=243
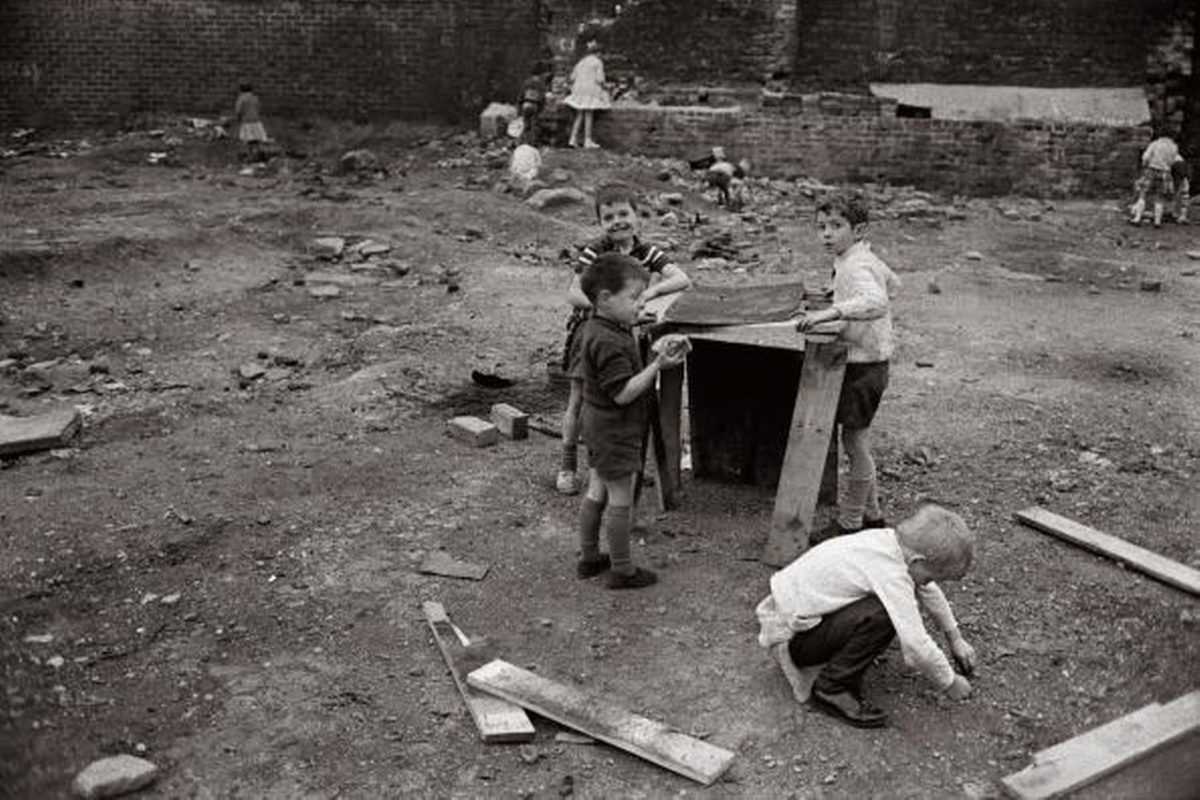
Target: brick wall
x=846 y=43
x=978 y=158
x=89 y=61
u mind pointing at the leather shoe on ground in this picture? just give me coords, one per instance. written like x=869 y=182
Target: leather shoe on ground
x=590 y=568
x=848 y=708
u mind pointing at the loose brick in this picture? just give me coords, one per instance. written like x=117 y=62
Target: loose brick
x=512 y=422
x=474 y=431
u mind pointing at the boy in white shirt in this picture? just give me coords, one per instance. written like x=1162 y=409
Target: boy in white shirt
x=862 y=290
x=837 y=607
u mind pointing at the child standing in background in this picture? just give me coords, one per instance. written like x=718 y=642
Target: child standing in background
x=588 y=95
x=247 y=115
x=1156 y=182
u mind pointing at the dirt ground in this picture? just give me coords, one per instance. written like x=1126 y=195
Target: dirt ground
x=221 y=572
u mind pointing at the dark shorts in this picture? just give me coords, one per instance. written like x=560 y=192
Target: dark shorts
x=862 y=389
x=614 y=439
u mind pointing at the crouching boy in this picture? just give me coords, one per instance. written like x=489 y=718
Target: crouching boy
x=837 y=607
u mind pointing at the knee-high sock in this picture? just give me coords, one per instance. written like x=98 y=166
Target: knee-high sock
x=861 y=492
x=616 y=530
x=590 y=513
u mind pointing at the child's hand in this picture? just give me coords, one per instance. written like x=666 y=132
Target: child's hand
x=669 y=359
x=964 y=656
x=810 y=319
x=960 y=689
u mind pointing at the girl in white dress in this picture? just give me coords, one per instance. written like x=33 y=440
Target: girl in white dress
x=587 y=95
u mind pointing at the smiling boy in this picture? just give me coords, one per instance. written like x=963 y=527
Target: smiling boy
x=617 y=214
x=837 y=607
x=862 y=289
x=614 y=415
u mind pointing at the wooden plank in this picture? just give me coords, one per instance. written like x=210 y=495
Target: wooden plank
x=19 y=435
x=670 y=413
x=735 y=305
x=1090 y=756
x=1164 y=569
x=438 y=562
x=497 y=720
x=591 y=713
x=1170 y=773
x=807 y=450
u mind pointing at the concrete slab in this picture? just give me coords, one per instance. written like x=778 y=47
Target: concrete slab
x=19 y=435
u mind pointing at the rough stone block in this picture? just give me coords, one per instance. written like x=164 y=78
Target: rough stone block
x=474 y=431
x=512 y=422
x=44 y=432
x=114 y=776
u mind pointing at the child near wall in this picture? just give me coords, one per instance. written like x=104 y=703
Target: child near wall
x=247 y=115
x=588 y=95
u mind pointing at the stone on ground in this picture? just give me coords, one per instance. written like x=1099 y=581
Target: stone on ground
x=562 y=196
x=359 y=161
x=114 y=776
x=524 y=165
x=473 y=430
x=493 y=120
x=48 y=431
x=328 y=247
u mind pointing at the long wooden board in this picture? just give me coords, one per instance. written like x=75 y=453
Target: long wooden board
x=496 y=720
x=670 y=412
x=1164 y=569
x=807 y=449
x=1069 y=765
x=594 y=715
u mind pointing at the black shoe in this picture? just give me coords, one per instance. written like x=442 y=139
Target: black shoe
x=850 y=709
x=591 y=567
x=638 y=579
x=830 y=531
x=872 y=524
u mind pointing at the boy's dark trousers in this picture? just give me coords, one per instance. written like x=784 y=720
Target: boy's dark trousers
x=846 y=641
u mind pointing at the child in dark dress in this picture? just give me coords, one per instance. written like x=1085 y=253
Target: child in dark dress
x=614 y=415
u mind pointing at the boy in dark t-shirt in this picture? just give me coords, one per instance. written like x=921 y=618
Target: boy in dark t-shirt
x=614 y=416
x=616 y=211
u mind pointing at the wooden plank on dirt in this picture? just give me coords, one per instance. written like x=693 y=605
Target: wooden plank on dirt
x=1164 y=569
x=496 y=719
x=1069 y=765
x=19 y=435
x=594 y=715
x=438 y=562
x=807 y=449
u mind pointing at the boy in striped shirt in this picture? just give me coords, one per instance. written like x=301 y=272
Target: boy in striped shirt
x=617 y=214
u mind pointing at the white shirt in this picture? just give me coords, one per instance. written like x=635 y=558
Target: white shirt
x=845 y=569
x=1161 y=154
x=862 y=287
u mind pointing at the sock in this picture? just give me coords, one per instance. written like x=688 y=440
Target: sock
x=570 y=457
x=871 y=508
x=855 y=502
x=590 y=513
x=617 y=532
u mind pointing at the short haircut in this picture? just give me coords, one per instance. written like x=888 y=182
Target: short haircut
x=611 y=272
x=941 y=537
x=612 y=193
x=851 y=207
x=246 y=87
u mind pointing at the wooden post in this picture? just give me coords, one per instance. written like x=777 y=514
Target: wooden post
x=807 y=449
x=670 y=412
